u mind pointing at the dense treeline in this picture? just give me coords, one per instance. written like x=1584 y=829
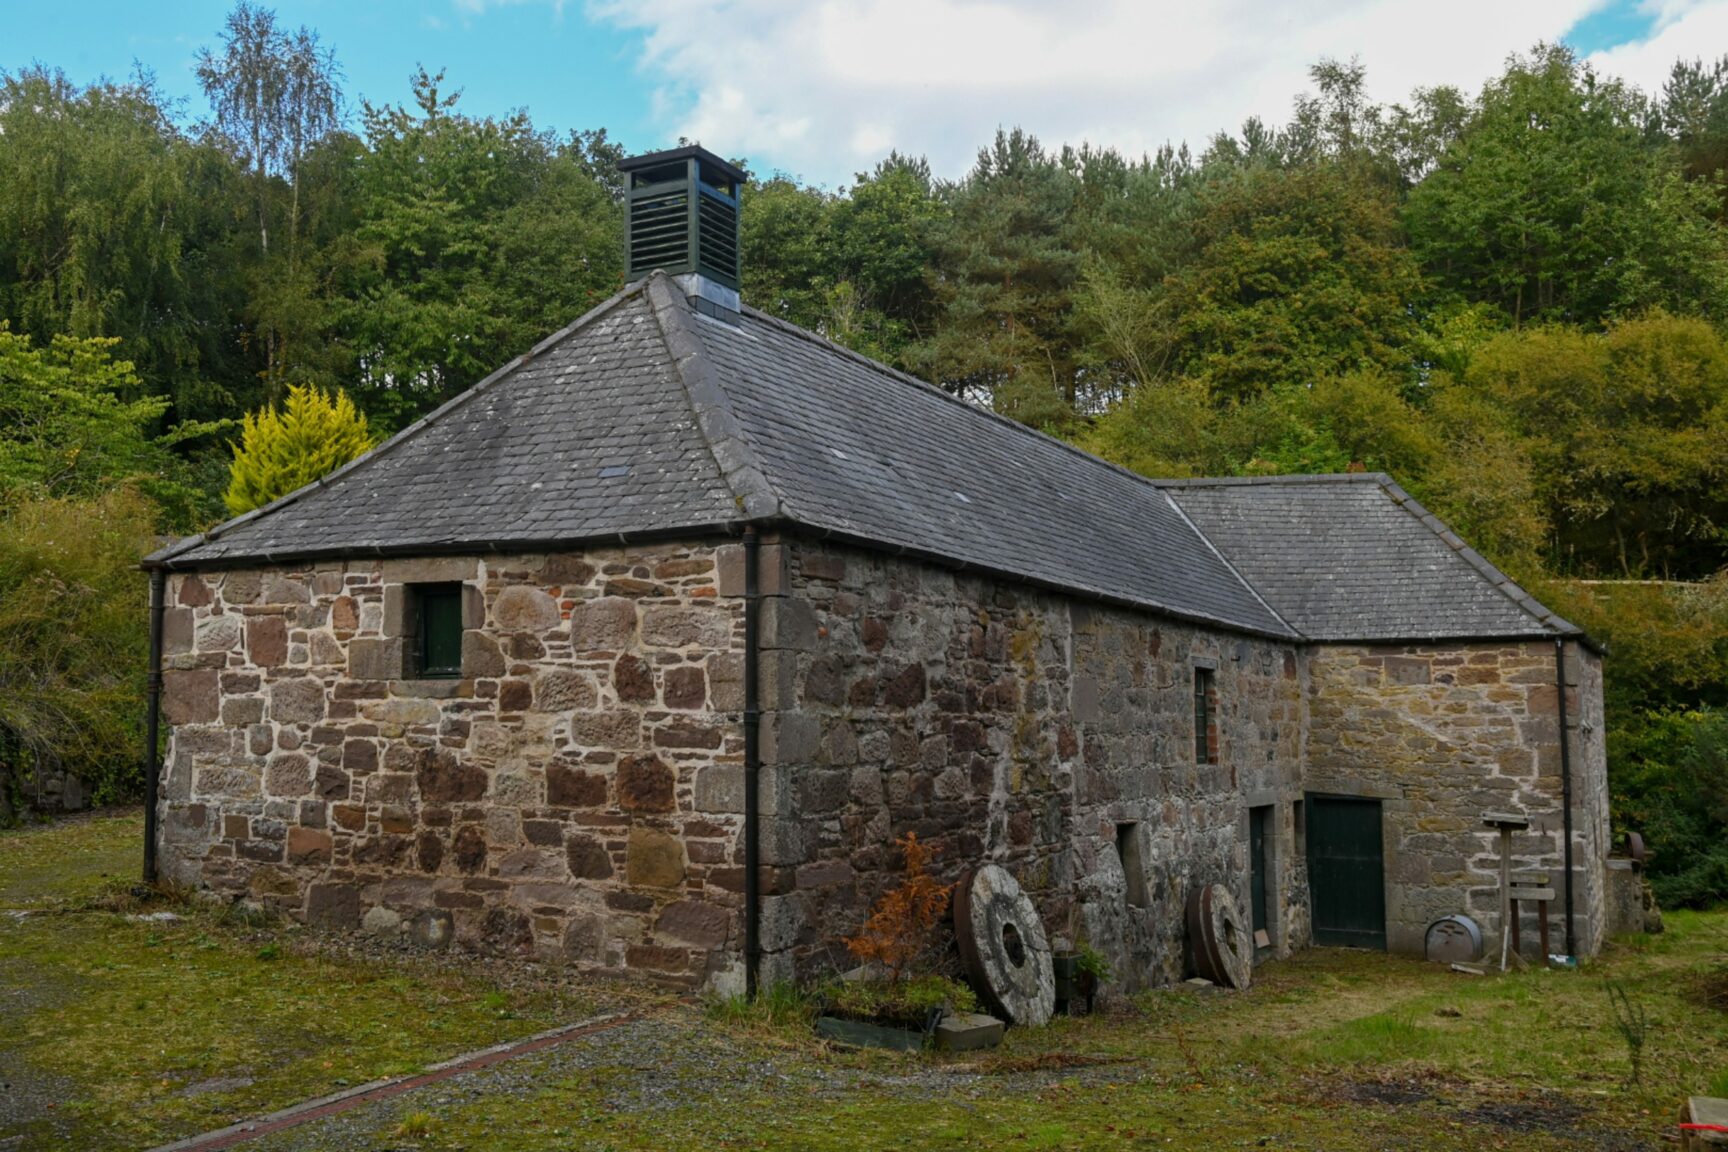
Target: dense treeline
x=1513 y=300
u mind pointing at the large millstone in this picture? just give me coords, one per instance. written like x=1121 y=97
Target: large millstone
x=1223 y=946
x=1003 y=946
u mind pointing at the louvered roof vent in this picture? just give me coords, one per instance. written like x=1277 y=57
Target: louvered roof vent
x=683 y=219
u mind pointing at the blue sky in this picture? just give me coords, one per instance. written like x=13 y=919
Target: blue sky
x=823 y=88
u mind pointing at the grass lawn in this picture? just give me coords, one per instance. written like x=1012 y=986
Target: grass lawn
x=120 y=1032
x=1332 y=1050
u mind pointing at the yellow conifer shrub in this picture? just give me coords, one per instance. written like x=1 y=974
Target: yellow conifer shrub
x=279 y=451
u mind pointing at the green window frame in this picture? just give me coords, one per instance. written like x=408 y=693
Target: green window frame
x=1205 y=717
x=438 y=631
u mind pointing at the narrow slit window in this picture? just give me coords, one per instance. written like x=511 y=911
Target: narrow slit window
x=1205 y=717
x=438 y=631
x=1133 y=866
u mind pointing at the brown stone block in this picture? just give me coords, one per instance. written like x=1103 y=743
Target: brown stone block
x=429 y=851
x=646 y=784
x=635 y=589
x=607 y=623
x=686 y=687
x=469 y=849
x=267 y=851
x=331 y=783
x=678 y=569
x=351 y=817
x=267 y=641
x=632 y=679
x=444 y=778
x=657 y=959
x=587 y=858
x=567 y=571
x=333 y=906
x=191 y=697
x=194 y=593
x=655 y=859
x=613 y=729
x=515 y=696
x=688 y=734
x=481 y=656
x=695 y=922
x=562 y=689
x=308 y=845
x=676 y=626
x=568 y=787
x=359 y=757
x=543 y=832
x=629 y=902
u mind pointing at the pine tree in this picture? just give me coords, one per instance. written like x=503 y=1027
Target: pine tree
x=278 y=452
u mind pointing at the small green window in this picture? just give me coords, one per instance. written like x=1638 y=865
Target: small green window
x=438 y=631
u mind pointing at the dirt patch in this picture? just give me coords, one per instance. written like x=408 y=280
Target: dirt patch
x=1541 y=1114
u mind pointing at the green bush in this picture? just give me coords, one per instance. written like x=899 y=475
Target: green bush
x=312 y=435
x=74 y=637
x=1666 y=693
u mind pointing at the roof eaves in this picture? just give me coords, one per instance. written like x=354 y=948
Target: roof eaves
x=164 y=558
x=1551 y=621
x=755 y=497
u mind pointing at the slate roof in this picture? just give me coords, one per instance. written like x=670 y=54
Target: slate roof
x=646 y=419
x=589 y=435
x=1354 y=557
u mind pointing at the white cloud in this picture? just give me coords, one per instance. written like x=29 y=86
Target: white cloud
x=1685 y=29
x=822 y=88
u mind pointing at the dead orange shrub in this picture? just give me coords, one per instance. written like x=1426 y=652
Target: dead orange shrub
x=901 y=929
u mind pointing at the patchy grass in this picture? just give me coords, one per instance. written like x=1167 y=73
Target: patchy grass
x=1331 y=1050
x=123 y=1032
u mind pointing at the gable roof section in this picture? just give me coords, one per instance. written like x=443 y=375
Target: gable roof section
x=645 y=418
x=590 y=435
x=1355 y=558
x=866 y=453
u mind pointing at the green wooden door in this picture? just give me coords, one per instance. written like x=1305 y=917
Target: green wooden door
x=1346 y=872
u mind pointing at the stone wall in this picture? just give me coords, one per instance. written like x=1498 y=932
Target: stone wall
x=1592 y=840
x=1442 y=734
x=564 y=798
x=1009 y=725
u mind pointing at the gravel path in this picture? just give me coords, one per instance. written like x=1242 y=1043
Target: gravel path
x=662 y=1070
x=29 y=1097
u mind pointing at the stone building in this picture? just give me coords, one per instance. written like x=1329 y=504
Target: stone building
x=640 y=654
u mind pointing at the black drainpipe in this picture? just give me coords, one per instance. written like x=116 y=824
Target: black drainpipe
x=152 y=722
x=752 y=771
x=1565 y=787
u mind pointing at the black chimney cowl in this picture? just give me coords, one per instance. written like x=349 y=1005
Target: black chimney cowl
x=682 y=217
